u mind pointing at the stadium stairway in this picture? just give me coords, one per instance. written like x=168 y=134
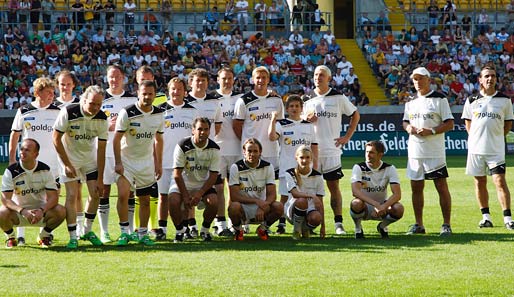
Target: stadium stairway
x=367 y=79
x=397 y=18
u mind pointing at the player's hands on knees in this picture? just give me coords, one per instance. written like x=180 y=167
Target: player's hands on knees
x=118 y=168
x=70 y=171
x=195 y=199
x=259 y=215
x=186 y=199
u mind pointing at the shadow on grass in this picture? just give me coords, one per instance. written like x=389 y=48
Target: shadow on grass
x=372 y=243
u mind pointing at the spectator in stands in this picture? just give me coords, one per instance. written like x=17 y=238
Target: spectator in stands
x=433 y=14
x=166 y=9
x=382 y=22
x=210 y=21
x=151 y=21
x=241 y=9
x=129 y=8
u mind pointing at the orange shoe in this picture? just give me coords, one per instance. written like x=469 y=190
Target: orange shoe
x=263 y=233
x=239 y=235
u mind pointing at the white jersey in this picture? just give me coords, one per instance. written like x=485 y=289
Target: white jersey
x=36 y=123
x=375 y=181
x=487 y=115
x=81 y=133
x=112 y=105
x=227 y=139
x=28 y=186
x=206 y=107
x=252 y=181
x=329 y=108
x=255 y=111
x=427 y=111
x=312 y=183
x=61 y=104
x=292 y=134
x=140 y=129
x=197 y=162
x=178 y=124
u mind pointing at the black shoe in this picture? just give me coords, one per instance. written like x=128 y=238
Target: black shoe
x=206 y=236
x=383 y=233
x=179 y=238
x=225 y=233
x=281 y=229
x=21 y=241
x=359 y=235
x=159 y=234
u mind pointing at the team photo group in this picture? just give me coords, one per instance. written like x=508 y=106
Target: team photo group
x=172 y=155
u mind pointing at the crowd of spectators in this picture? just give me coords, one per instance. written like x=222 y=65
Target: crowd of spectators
x=88 y=48
x=447 y=47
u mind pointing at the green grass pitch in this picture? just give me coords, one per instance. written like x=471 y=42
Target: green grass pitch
x=472 y=262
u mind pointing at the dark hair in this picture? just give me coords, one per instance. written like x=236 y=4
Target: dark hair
x=252 y=141
x=377 y=144
x=202 y=120
x=35 y=142
x=293 y=98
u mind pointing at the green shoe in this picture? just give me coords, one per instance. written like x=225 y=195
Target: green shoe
x=91 y=236
x=123 y=240
x=73 y=244
x=147 y=241
x=134 y=237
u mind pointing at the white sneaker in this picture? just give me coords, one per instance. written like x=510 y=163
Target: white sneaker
x=340 y=229
x=105 y=238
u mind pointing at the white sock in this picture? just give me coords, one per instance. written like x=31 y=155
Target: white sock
x=204 y=230
x=507 y=219
x=20 y=231
x=103 y=217
x=80 y=223
x=131 y=212
x=141 y=231
x=88 y=226
x=44 y=234
x=358 y=225
x=487 y=216
x=73 y=233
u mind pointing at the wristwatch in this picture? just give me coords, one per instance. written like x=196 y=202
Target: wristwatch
x=433 y=131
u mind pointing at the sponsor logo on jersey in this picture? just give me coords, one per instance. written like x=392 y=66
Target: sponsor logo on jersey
x=259 y=117
x=184 y=125
x=489 y=115
x=288 y=132
x=168 y=117
x=42 y=127
x=249 y=189
x=253 y=108
x=295 y=142
x=375 y=189
x=424 y=116
x=110 y=114
x=135 y=124
x=19 y=183
x=326 y=114
x=23 y=192
x=75 y=127
x=140 y=135
x=227 y=114
x=195 y=167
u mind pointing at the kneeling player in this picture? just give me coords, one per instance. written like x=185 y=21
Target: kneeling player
x=253 y=192
x=304 y=207
x=369 y=189
x=195 y=170
x=29 y=196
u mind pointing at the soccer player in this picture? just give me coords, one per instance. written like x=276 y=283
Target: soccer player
x=77 y=130
x=138 y=161
x=488 y=119
x=116 y=99
x=35 y=120
x=291 y=133
x=230 y=145
x=370 y=180
x=195 y=170
x=326 y=110
x=207 y=106
x=426 y=118
x=304 y=206
x=253 y=192
x=29 y=196
x=178 y=116
x=66 y=82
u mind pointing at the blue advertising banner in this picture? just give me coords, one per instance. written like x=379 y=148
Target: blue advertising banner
x=4 y=148
x=396 y=143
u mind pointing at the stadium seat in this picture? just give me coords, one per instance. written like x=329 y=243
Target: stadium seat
x=153 y=4
x=178 y=4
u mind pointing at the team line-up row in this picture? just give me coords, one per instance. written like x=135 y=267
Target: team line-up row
x=184 y=149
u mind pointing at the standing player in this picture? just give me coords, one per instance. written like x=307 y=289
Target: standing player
x=369 y=188
x=291 y=133
x=253 y=197
x=427 y=117
x=66 y=83
x=230 y=145
x=488 y=119
x=35 y=120
x=116 y=99
x=206 y=106
x=78 y=128
x=304 y=207
x=326 y=111
x=29 y=196
x=195 y=170
x=178 y=117
x=137 y=165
